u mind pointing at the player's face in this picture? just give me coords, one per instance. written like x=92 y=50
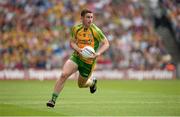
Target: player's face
x=87 y=19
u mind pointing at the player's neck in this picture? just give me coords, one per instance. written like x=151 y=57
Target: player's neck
x=86 y=26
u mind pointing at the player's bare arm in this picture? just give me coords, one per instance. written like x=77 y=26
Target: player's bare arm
x=102 y=49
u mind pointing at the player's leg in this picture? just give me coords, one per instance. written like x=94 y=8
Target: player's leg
x=88 y=82
x=85 y=79
x=85 y=82
x=69 y=68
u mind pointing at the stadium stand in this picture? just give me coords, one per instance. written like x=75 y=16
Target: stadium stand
x=166 y=17
x=35 y=34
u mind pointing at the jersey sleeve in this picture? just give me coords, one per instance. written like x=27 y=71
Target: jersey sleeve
x=98 y=33
x=73 y=30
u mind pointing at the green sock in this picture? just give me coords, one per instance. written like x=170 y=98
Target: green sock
x=54 y=97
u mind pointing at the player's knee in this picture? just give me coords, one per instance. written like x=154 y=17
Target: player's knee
x=81 y=85
x=64 y=75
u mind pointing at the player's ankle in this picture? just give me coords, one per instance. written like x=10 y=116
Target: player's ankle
x=54 y=97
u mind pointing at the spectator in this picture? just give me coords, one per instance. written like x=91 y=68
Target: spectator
x=35 y=34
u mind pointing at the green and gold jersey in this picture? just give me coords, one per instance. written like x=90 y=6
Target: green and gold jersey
x=87 y=37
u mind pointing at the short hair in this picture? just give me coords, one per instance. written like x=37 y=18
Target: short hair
x=85 y=11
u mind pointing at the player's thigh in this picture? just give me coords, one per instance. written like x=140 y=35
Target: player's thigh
x=69 y=68
x=81 y=80
x=85 y=71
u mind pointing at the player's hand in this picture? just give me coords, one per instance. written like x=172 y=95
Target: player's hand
x=79 y=51
x=94 y=56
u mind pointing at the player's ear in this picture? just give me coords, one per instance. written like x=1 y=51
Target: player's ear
x=82 y=17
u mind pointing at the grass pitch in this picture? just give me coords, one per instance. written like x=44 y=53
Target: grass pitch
x=113 y=98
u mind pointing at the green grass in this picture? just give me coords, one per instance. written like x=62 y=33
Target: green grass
x=113 y=98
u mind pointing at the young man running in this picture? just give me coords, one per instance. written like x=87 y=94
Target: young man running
x=84 y=34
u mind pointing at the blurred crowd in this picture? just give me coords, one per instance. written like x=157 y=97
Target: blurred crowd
x=167 y=13
x=173 y=13
x=36 y=34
